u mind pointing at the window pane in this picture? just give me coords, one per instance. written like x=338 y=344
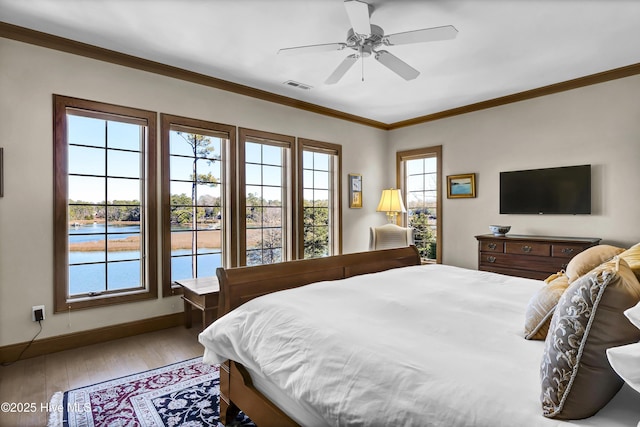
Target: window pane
x=206 y=193
x=126 y=136
x=271 y=155
x=253 y=174
x=82 y=217
x=85 y=131
x=123 y=275
x=253 y=152
x=86 y=189
x=321 y=179
x=209 y=241
x=86 y=160
x=321 y=161
x=87 y=278
x=123 y=247
x=181 y=193
x=181 y=168
x=415 y=182
x=431 y=165
x=123 y=189
x=254 y=238
x=253 y=195
x=272 y=217
x=180 y=267
x=272 y=175
x=209 y=171
x=87 y=248
x=321 y=197
x=207 y=265
x=178 y=145
x=307 y=159
x=123 y=163
x=272 y=196
x=415 y=166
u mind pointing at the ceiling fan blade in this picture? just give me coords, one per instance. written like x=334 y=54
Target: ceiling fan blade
x=358 y=12
x=342 y=69
x=327 y=47
x=396 y=65
x=446 y=32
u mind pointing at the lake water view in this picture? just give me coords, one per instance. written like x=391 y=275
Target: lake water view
x=85 y=276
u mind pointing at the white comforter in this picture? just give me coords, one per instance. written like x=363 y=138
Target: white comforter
x=426 y=345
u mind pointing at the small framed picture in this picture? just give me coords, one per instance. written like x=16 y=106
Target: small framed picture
x=355 y=190
x=461 y=186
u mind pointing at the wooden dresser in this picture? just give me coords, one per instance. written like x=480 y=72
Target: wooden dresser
x=535 y=257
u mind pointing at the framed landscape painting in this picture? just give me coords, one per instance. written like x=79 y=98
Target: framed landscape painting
x=461 y=186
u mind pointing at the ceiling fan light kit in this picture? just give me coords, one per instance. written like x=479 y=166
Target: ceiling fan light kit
x=365 y=38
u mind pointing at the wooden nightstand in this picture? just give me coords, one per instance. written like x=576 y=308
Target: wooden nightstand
x=201 y=293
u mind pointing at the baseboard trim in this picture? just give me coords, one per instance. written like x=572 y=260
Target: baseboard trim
x=44 y=346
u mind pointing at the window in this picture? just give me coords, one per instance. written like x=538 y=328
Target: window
x=105 y=205
x=195 y=190
x=266 y=203
x=320 y=198
x=419 y=177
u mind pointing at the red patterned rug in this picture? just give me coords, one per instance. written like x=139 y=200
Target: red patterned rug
x=181 y=394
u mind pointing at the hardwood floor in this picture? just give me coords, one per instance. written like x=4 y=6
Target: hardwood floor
x=30 y=383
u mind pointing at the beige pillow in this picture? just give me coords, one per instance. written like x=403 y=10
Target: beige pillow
x=541 y=308
x=576 y=377
x=589 y=259
x=632 y=257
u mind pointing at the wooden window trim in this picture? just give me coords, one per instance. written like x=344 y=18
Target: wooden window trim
x=419 y=153
x=323 y=147
x=239 y=225
x=202 y=127
x=60 y=150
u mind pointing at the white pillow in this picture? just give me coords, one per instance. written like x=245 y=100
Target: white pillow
x=625 y=360
x=633 y=314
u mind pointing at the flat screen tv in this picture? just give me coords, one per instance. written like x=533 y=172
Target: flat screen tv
x=564 y=190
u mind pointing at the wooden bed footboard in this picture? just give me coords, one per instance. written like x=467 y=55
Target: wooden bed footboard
x=241 y=284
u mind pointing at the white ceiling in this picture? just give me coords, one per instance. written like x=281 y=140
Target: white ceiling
x=503 y=46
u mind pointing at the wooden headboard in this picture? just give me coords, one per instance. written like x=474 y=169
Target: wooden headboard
x=241 y=284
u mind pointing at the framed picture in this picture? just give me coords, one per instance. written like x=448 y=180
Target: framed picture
x=461 y=186
x=355 y=190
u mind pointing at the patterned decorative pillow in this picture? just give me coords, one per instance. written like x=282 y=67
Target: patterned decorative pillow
x=541 y=308
x=632 y=257
x=589 y=259
x=577 y=380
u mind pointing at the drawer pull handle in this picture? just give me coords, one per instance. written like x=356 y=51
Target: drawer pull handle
x=491 y=259
x=526 y=249
x=567 y=250
x=492 y=245
x=564 y=266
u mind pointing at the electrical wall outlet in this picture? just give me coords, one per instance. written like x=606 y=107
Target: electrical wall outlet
x=37 y=313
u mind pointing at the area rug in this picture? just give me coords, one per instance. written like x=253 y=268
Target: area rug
x=181 y=394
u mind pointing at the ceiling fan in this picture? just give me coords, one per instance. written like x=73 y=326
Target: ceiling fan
x=366 y=39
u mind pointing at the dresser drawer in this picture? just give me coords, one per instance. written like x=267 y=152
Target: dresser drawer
x=536 y=263
x=528 y=248
x=566 y=250
x=491 y=246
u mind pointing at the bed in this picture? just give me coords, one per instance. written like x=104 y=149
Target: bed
x=378 y=339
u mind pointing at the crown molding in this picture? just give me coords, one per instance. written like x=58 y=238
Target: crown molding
x=592 y=79
x=38 y=38
x=62 y=44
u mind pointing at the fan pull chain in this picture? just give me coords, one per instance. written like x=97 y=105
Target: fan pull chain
x=362 y=60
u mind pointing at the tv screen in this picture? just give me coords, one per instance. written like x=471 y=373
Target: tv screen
x=564 y=190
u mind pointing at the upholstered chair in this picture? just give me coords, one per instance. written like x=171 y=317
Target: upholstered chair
x=390 y=236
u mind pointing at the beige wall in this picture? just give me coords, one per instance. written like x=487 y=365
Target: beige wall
x=30 y=75
x=597 y=125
